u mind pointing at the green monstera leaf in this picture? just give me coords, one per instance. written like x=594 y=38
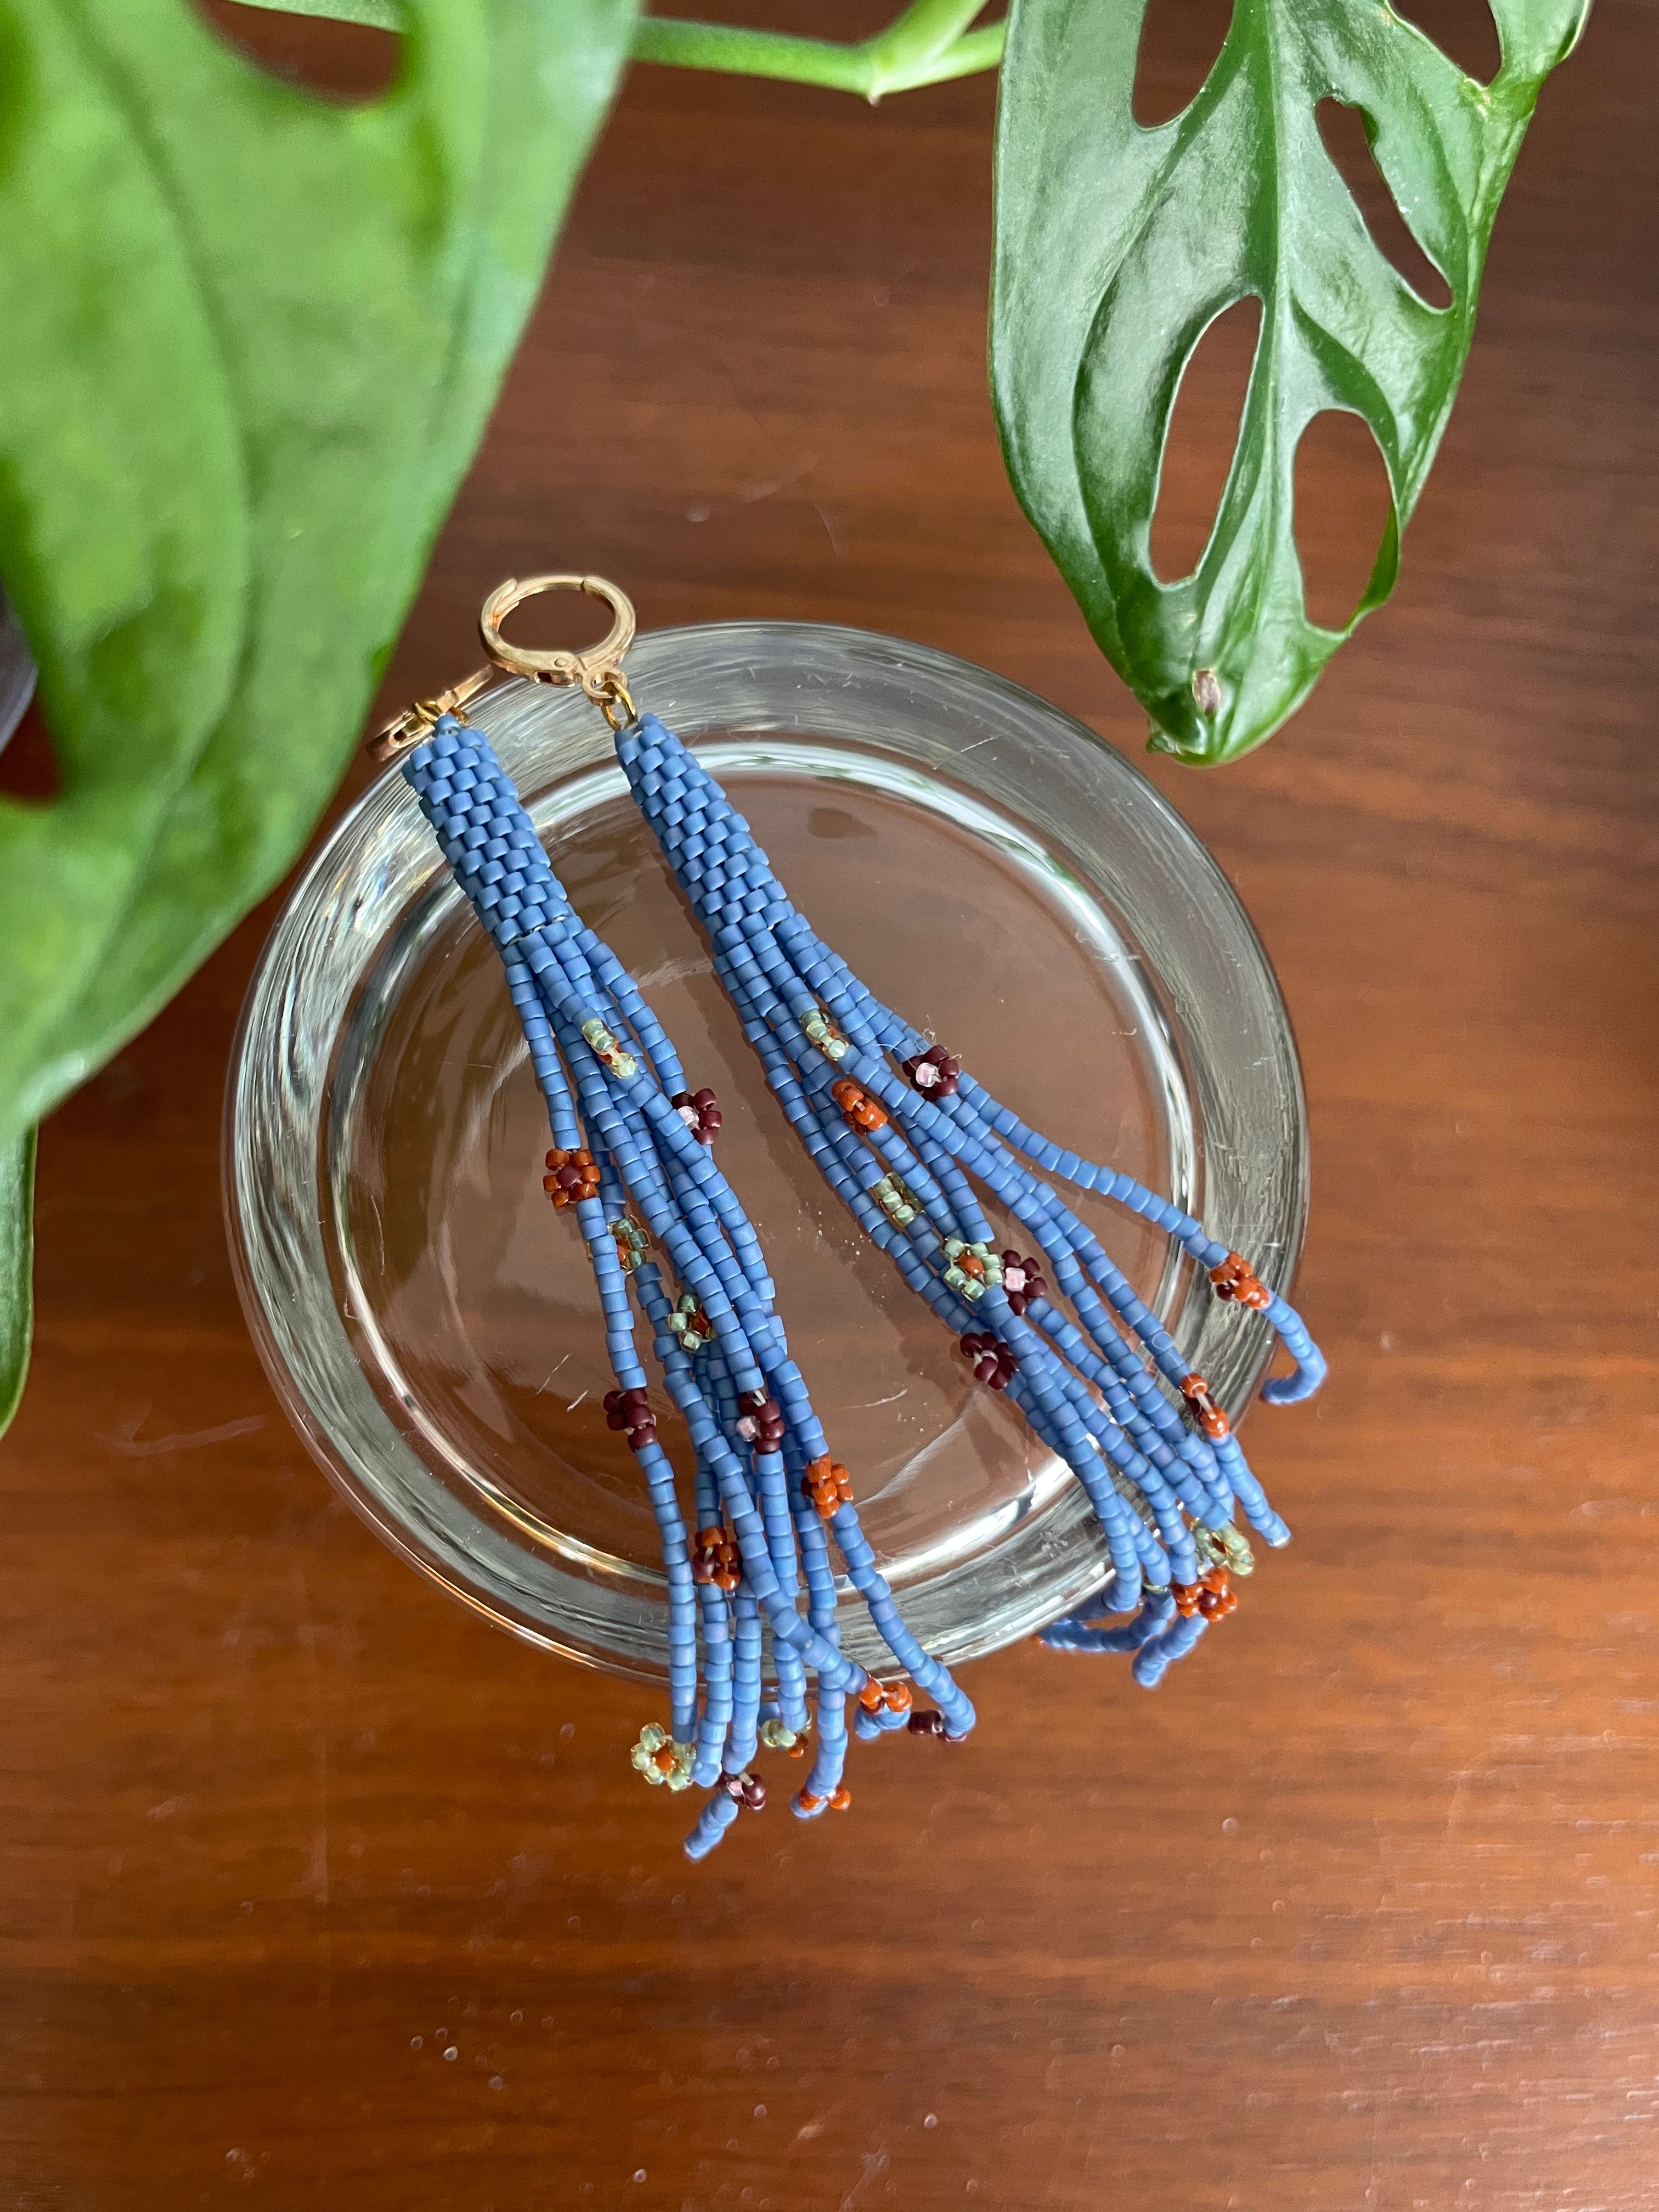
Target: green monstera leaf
x=1116 y=246
x=251 y=340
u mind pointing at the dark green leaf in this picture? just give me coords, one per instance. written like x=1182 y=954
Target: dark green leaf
x=251 y=340
x=1117 y=247
x=16 y=1269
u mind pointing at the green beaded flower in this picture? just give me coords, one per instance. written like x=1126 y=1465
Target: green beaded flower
x=1223 y=1547
x=647 y=1758
x=969 y=1267
x=824 y=1034
x=690 y=1323
x=632 y=1242
x=776 y=1737
x=897 y=1202
x=606 y=1048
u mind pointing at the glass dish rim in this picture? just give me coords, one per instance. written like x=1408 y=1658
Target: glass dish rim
x=492 y=1583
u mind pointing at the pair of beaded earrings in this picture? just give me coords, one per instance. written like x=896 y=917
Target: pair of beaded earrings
x=907 y=1139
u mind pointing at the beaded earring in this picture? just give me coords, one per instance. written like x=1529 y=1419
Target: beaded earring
x=897 y=1125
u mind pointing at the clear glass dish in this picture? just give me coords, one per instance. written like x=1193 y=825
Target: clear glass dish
x=989 y=866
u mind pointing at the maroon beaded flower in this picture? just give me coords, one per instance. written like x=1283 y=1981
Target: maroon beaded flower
x=934 y=1073
x=630 y=1411
x=993 y=1364
x=1023 y=1280
x=932 y=1723
x=760 y=1421
x=701 y=1113
x=745 y=1790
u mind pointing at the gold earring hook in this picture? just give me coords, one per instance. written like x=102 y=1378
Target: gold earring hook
x=597 y=670
x=558 y=666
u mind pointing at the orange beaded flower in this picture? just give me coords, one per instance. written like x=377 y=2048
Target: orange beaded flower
x=716 y=1559
x=1210 y=1594
x=857 y=1106
x=1236 y=1279
x=895 y=1696
x=838 y=1800
x=829 y=1485
x=1204 y=1409
x=571 y=1177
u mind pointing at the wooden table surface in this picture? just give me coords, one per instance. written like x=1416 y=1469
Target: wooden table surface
x=321 y=1893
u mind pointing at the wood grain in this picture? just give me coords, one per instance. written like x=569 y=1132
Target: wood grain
x=1358 y=1911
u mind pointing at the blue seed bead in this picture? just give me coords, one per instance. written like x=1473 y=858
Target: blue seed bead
x=1155 y=1658
x=716 y=1817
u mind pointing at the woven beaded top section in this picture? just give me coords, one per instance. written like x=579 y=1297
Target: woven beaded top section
x=484 y=833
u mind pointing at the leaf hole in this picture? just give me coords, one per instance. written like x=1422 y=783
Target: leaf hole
x=1179 y=41
x=1465 y=31
x=350 y=64
x=1343 y=131
x=1200 y=442
x=28 y=760
x=1343 y=510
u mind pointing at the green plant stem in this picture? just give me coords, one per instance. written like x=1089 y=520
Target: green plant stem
x=930 y=42
x=927 y=45
x=16 y=1269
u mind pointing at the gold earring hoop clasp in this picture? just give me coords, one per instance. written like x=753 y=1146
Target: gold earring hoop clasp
x=597 y=670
